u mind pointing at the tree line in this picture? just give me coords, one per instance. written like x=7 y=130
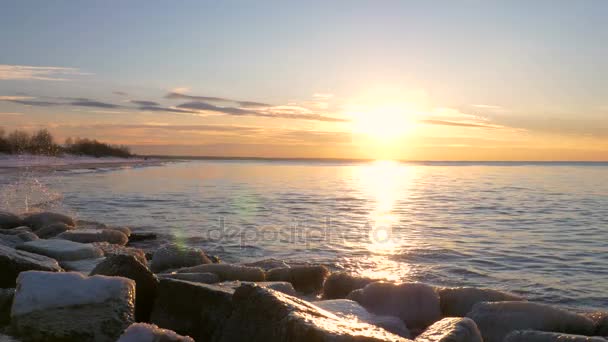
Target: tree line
x=42 y=142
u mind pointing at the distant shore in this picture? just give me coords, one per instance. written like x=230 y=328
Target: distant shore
x=70 y=161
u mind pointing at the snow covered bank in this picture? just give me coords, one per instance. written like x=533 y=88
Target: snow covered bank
x=29 y=160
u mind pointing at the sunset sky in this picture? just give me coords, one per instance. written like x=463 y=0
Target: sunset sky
x=413 y=80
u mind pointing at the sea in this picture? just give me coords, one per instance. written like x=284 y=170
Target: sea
x=532 y=228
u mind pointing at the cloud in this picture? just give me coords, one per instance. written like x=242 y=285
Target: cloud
x=120 y=93
x=176 y=95
x=459 y=124
x=486 y=106
x=323 y=96
x=145 y=103
x=40 y=73
x=11 y=114
x=92 y=103
x=77 y=102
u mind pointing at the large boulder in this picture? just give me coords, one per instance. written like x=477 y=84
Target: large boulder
x=62 y=250
x=600 y=320
x=12 y=240
x=95 y=235
x=228 y=271
x=53 y=229
x=496 y=319
x=281 y=286
x=205 y=278
x=458 y=301
x=111 y=249
x=142 y=332
x=193 y=309
x=542 y=336
x=171 y=256
x=306 y=279
x=262 y=314
x=145 y=281
x=416 y=304
x=451 y=329
x=13 y=262
x=9 y=220
x=84 y=266
x=6 y=300
x=340 y=284
x=267 y=264
x=70 y=307
x=348 y=309
x=39 y=220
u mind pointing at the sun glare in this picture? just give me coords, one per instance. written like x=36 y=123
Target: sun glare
x=382 y=124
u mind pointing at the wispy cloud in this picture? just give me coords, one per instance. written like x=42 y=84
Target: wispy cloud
x=40 y=73
x=77 y=102
x=486 y=106
x=176 y=95
x=459 y=124
x=10 y=114
x=145 y=103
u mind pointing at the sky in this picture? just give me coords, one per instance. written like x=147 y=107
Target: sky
x=410 y=80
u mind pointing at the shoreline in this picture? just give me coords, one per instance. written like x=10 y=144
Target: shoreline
x=69 y=162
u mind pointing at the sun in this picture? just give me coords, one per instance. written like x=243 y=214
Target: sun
x=383 y=124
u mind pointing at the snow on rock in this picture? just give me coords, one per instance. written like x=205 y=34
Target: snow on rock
x=348 y=309
x=416 y=304
x=451 y=329
x=496 y=319
x=205 y=278
x=171 y=256
x=39 y=220
x=71 y=307
x=227 y=271
x=267 y=264
x=28 y=160
x=95 y=235
x=13 y=261
x=142 y=332
x=458 y=301
x=307 y=279
x=62 y=250
x=281 y=286
x=340 y=284
x=13 y=240
x=84 y=266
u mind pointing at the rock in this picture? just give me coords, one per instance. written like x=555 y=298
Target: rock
x=267 y=264
x=306 y=279
x=340 y=284
x=194 y=309
x=9 y=220
x=262 y=314
x=205 y=278
x=348 y=309
x=172 y=256
x=142 y=332
x=145 y=282
x=141 y=236
x=95 y=235
x=84 y=224
x=458 y=301
x=416 y=304
x=62 y=250
x=15 y=231
x=71 y=307
x=6 y=300
x=52 y=230
x=110 y=249
x=541 y=336
x=7 y=338
x=124 y=230
x=451 y=329
x=495 y=320
x=281 y=286
x=600 y=321
x=13 y=262
x=228 y=271
x=12 y=240
x=39 y=220
x=84 y=266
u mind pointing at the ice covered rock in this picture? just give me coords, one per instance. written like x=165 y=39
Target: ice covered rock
x=451 y=329
x=111 y=249
x=62 y=250
x=12 y=240
x=193 y=309
x=9 y=220
x=95 y=235
x=145 y=282
x=541 y=336
x=228 y=271
x=267 y=264
x=458 y=301
x=262 y=314
x=205 y=278
x=495 y=320
x=39 y=220
x=172 y=256
x=6 y=300
x=53 y=229
x=281 y=286
x=340 y=284
x=416 y=304
x=84 y=266
x=71 y=307
x=306 y=279
x=15 y=231
x=142 y=332
x=349 y=309
x=13 y=261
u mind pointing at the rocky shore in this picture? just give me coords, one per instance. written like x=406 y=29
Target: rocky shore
x=67 y=280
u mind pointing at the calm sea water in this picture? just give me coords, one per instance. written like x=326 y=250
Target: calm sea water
x=536 y=229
